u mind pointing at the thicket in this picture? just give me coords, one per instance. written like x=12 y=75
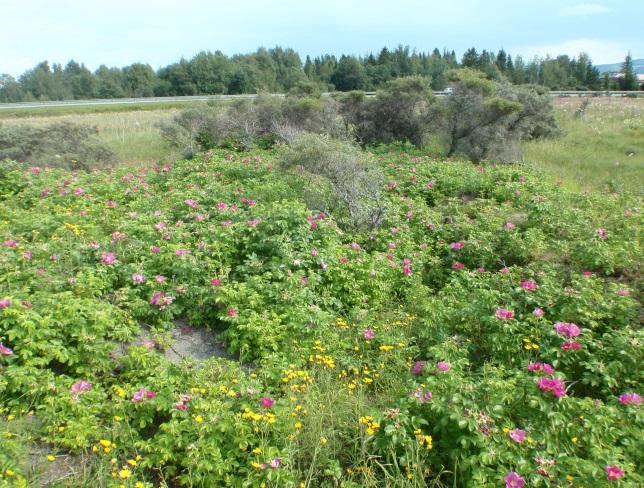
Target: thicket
x=481 y=119
x=60 y=144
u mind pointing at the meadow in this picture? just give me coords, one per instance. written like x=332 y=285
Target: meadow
x=486 y=334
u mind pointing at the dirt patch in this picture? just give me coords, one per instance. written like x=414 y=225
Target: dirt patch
x=196 y=344
x=63 y=467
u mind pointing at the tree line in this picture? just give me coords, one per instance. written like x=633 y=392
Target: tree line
x=279 y=70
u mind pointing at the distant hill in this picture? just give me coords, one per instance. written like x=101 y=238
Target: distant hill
x=638 y=66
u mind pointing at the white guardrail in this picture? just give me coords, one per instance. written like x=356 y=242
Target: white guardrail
x=198 y=98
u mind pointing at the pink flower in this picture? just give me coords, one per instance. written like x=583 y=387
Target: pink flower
x=568 y=330
x=108 y=258
x=343 y=260
x=602 y=234
x=161 y=300
x=78 y=191
x=539 y=367
x=537 y=312
x=502 y=313
x=623 y=292
x=155 y=249
x=5 y=303
x=215 y=282
x=355 y=246
x=457 y=265
x=181 y=252
x=552 y=385
x=571 y=345
x=505 y=270
x=509 y=225
x=147 y=344
x=275 y=463
x=631 y=399
x=191 y=203
x=517 y=435
x=456 y=246
x=159 y=278
x=314 y=252
x=10 y=243
x=112 y=204
x=266 y=402
x=529 y=285
x=514 y=480
x=138 y=278
x=81 y=387
x=481 y=269
x=613 y=472
x=27 y=255
x=232 y=312
x=368 y=334
x=5 y=351
x=142 y=395
x=417 y=368
x=443 y=366
x=406 y=267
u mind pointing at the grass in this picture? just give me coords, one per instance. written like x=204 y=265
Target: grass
x=133 y=135
x=602 y=148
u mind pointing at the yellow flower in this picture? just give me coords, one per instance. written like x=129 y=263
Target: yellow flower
x=139 y=484
x=131 y=462
x=569 y=478
x=198 y=419
x=105 y=443
x=125 y=473
x=574 y=440
x=323 y=440
x=257 y=450
x=298 y=425
x=51 y=458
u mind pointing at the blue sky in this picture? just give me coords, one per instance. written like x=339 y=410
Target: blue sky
x=120 y=32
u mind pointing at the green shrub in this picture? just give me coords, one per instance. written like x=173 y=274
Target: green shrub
x=60 y=144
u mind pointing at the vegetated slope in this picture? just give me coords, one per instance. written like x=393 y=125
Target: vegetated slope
x=486 y=333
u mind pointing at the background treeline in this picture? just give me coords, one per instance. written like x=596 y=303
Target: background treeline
x=279 y=70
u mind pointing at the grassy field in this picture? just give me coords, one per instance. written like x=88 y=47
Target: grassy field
x=602 y=147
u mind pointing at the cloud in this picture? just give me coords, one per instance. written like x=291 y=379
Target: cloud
x=583 y=9
x=601 y=51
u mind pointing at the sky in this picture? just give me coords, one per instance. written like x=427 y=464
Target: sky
x=159 y=32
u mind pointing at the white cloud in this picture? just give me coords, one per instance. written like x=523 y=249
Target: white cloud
x=601 y=51
x=583 y=9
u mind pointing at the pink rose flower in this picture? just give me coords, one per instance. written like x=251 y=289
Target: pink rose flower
x=514 y=480
x=517 y=435
x=613 y=472
x=631 y=399
x=443 y=366
x=266 y=402
x=368 y=334
x=503 y=314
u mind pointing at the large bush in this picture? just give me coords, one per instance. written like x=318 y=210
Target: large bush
x=60 y=144
x=480 y=119
x=483 y=119
x=245 y=124
x=343 y=182
x=398 y=113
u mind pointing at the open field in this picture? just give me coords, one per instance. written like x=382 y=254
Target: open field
x=602 y=148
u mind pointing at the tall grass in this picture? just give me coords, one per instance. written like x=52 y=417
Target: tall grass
x=602 y=147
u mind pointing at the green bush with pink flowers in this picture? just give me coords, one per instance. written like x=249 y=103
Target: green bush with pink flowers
x=485 y=334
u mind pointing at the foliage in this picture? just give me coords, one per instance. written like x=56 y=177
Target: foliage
x=489 y=326
x=63 y=144
x=354 y=198
x=398 y=113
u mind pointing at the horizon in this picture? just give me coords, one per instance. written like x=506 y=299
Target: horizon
x=102 y=34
